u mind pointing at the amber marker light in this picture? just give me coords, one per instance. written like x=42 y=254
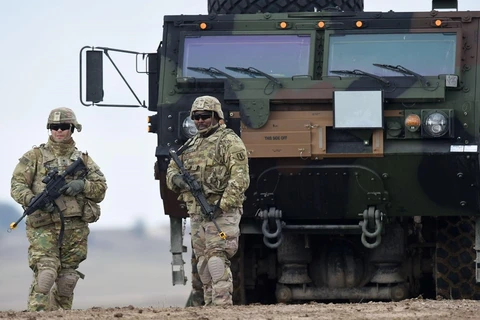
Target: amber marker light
x=412 y=122
x=359 y=24
x=438 y=23
x=283 y=24
x=321 y=24
x=149 y=121
x=203 y=26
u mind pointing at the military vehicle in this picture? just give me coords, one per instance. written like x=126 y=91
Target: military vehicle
x=362 y=132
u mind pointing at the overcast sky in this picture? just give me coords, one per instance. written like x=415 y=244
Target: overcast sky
x=39 y=71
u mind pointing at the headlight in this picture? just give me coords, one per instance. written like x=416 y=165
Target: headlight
x=188 y=127
x=436 y=124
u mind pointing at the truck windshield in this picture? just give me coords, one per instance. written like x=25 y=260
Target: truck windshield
x=277 y=55
x=429 y=54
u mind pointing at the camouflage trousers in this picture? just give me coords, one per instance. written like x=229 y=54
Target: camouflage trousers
x=45 y=256
x=197 y=286
x=213 y=254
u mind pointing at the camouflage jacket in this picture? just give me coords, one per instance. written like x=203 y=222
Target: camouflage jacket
x=219 y=163
x=34 y=165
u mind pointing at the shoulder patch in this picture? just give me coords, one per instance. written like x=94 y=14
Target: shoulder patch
x=24 y=161
x=240 y=156
x=30 y=157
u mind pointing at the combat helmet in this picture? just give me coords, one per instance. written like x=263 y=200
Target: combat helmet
x=63 y=115
x=207 y=103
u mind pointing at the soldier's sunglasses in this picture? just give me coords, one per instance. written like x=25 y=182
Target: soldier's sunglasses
x=203 y=116
x=62 y=126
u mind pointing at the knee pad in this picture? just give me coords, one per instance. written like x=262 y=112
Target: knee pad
x=45 y=280
x=203 y=272
x=217 y=269
x=66 y=282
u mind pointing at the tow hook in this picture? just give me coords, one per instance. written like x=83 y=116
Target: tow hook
x=272 y=216
x=371 y=219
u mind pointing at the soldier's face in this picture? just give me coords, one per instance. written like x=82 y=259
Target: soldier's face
x=60 y=132
x=203 y=120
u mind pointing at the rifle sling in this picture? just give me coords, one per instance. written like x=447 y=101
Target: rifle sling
x=186 y=145
x=60 y=203
x=62 y=231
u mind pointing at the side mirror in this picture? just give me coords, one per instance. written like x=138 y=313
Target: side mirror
x=445 y=4
x=94 y=73
x=94 y=92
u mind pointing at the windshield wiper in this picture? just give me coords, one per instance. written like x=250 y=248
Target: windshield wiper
x=214 y=73
x=251 y=71
x=357 y=72
x=405 y=71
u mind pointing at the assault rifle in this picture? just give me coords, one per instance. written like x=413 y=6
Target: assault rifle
x=197 y=192
x=54 y=182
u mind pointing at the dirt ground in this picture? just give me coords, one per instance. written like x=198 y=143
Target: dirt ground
x=407 y=309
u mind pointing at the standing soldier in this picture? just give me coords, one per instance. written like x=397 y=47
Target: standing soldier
x=58 y=240
x=216 y=157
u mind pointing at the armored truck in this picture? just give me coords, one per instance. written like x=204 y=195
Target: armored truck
x=362 y=132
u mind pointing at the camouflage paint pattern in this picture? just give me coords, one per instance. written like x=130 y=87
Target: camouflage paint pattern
x=406 y=159
x=334 y=174
x=43 y=228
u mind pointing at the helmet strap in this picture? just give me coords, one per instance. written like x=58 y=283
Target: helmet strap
x=207 y=131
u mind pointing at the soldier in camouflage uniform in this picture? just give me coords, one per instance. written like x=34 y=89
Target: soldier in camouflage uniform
x=217 y=158
x=55 y=262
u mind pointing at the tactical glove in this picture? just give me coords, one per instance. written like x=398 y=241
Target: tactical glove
x=73 y=188
x=179 y=182
x=49 y=207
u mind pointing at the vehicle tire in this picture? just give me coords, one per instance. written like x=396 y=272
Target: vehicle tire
x=275 y=6
x=455 y=259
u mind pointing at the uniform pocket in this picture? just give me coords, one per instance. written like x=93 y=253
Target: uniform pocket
x=39 y=219
x=195 y=171
x=91 y=211
x=216 y=178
